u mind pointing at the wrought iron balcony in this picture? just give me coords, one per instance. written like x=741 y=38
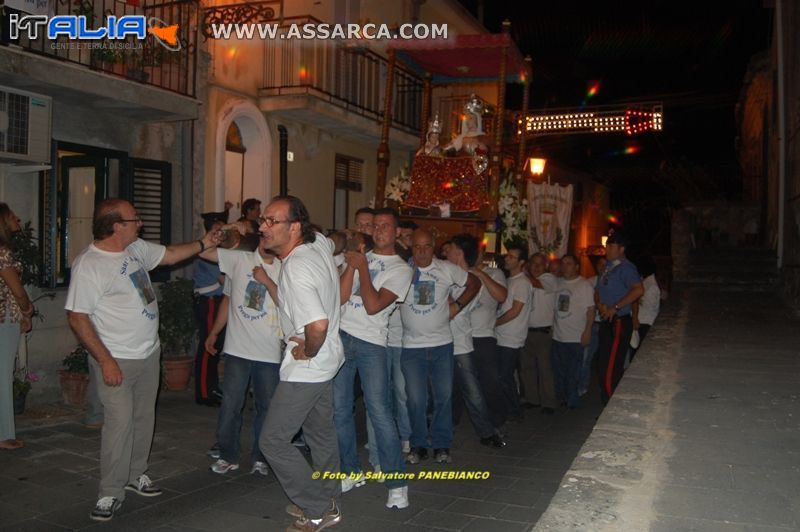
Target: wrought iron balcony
x=145 y=61
x=351 y=77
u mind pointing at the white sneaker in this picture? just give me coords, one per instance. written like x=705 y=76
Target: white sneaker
x=105 y=508
x=398 y=498
x=353 y=481
x=376 y=470
x=221 y=467
x=406 y=446
x=260 y=468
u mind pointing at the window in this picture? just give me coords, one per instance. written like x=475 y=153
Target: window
x=348 y=177
x=84 y=176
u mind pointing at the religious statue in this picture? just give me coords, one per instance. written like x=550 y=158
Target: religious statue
x=432 y=139
x=468 y=141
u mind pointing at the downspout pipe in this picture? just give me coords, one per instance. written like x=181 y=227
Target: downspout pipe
x=781 y=131
x=284 y=150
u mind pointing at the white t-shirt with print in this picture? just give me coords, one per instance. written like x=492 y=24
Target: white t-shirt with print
x=308 y=291
x=650 y=303
x=543 y=301
x=484 y=313
x=114 y=289
x=461 y=326
x=253 y=330
x=386 y=271
x=513 y=333
x=425 y=311
x=573 y=297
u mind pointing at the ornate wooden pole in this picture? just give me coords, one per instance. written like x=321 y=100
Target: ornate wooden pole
x=522 y=183
x=497 y=153
x=383 y=148
x=426 y=110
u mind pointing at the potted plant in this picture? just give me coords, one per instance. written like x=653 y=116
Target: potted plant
x=75 y=378
x=177 y=330
x=23 y=381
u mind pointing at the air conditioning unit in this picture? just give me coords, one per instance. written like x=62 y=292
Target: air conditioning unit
x=25 y=126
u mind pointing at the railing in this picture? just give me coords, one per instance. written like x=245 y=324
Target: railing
x=145 y=61
x=349 y=77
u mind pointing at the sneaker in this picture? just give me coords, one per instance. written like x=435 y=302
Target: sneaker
x=442 y=456
x=417 y=454
x=105 y=508
x=144 y=487
x=406 y=446
x=376 y=471
x=495 y=440
x=331 y=517
x=353 y=480
x=221 y=467
x=260 y=467
x=214 y=451
x=398 y=498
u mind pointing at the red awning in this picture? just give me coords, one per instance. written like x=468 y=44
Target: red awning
x=463 y=58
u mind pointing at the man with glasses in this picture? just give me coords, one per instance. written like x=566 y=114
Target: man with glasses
x=112 y=309
x=308 y=302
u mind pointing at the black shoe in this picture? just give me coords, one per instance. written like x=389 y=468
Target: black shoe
x=416 y=455
x=442 y=456
x=548 y=410
x=493 y=441
x=527 y=406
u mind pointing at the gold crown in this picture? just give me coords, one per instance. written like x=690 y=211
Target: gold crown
x=435 y=126
x=474 y=105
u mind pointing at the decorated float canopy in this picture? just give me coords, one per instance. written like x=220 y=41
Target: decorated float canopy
x=464 y=58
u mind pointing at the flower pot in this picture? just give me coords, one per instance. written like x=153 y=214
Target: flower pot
x=73 y=387
x=177 y=372
x=19 y=404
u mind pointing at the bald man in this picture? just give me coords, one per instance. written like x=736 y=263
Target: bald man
x=112 y=309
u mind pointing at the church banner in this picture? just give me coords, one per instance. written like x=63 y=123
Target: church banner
x=550 y=210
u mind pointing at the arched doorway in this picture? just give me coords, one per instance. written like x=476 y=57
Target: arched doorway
x=244 y=155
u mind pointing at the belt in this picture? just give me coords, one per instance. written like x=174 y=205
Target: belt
x=545 y=330
x=207 y=289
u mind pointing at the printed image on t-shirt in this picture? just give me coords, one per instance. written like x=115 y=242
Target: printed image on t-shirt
x=141 y=281
x=424 y=293
x=563 y=303
x=372 y=275
x=255 y=296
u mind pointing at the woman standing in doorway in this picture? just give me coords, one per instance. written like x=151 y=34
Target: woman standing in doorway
x=16 y=311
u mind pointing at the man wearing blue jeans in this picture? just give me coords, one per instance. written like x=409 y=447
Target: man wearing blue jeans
x=428 y=345
x=572 y=330
x=370 y=286
x=252 y=349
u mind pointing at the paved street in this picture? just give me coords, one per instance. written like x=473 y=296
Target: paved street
x=52 y=483
x=704 y=430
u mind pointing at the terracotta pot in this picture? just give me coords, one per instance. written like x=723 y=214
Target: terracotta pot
x=177 y=372
x=73 y=387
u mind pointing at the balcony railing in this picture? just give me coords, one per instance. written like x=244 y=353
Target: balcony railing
x=349 y=77
x=145 y=61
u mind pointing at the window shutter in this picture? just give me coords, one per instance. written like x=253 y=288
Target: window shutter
x=349 y=173
x=151 y=194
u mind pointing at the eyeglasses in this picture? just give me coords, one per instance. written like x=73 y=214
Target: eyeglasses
x=136 y=220
x=269 y=221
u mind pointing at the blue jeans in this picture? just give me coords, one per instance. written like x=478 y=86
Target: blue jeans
x=588 y=356
x=473 y=396
x=398 y=383
x=421 y=364
x=566 y=359
x=238 y=374
x=508 y=358
x=370 y=361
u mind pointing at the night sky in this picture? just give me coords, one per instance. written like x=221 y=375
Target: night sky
x=692 y=56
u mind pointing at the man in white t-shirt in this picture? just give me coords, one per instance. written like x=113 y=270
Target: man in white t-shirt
x=463 y=252
x=647 y=307
x=252 y=348
x=112 y=309
x=512 y=326
x=371 y=285
x=493 y=292
x=536 y=374
x=428 y=345
x=308 y=302
x=572 y=330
